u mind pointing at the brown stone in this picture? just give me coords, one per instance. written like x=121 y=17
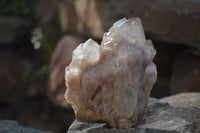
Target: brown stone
x=61 y=57
x=157 y=18
x=93 y=17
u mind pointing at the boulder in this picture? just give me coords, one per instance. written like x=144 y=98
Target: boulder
x=160 y=118
x=10 y=126
x=93 y=17
x=157 y=18
x=61 y=57
x=81 y=16
x=183 y=100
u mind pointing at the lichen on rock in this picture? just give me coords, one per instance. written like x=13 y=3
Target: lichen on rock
x=112 y=82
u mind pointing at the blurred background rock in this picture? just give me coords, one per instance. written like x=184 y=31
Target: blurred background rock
x=37 y=38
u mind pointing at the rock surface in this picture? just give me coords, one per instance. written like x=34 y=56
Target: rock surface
x=160 y=118
x=61 y=57
x=9 y=126
x=183 y=100
x=112 y=82
x=156 y=16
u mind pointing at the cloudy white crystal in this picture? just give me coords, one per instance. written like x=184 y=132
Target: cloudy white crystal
x=112 y=82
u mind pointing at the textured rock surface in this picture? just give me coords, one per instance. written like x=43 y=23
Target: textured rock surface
x=61 y=57
x=183 y=100
x=160 y=118
x=9 y=126
x=112 y=82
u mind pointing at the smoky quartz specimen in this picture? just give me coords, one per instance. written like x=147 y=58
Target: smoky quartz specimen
x=112 y=82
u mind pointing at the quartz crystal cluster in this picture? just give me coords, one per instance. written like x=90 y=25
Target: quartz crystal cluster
x=112 y=82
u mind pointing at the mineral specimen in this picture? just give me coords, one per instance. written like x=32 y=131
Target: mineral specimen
x=112 y=82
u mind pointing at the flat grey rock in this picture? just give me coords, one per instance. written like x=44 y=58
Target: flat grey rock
x=183 y=99
x=160 y=118
x=10 y=126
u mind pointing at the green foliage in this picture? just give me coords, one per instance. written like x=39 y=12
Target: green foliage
x=15 y=8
